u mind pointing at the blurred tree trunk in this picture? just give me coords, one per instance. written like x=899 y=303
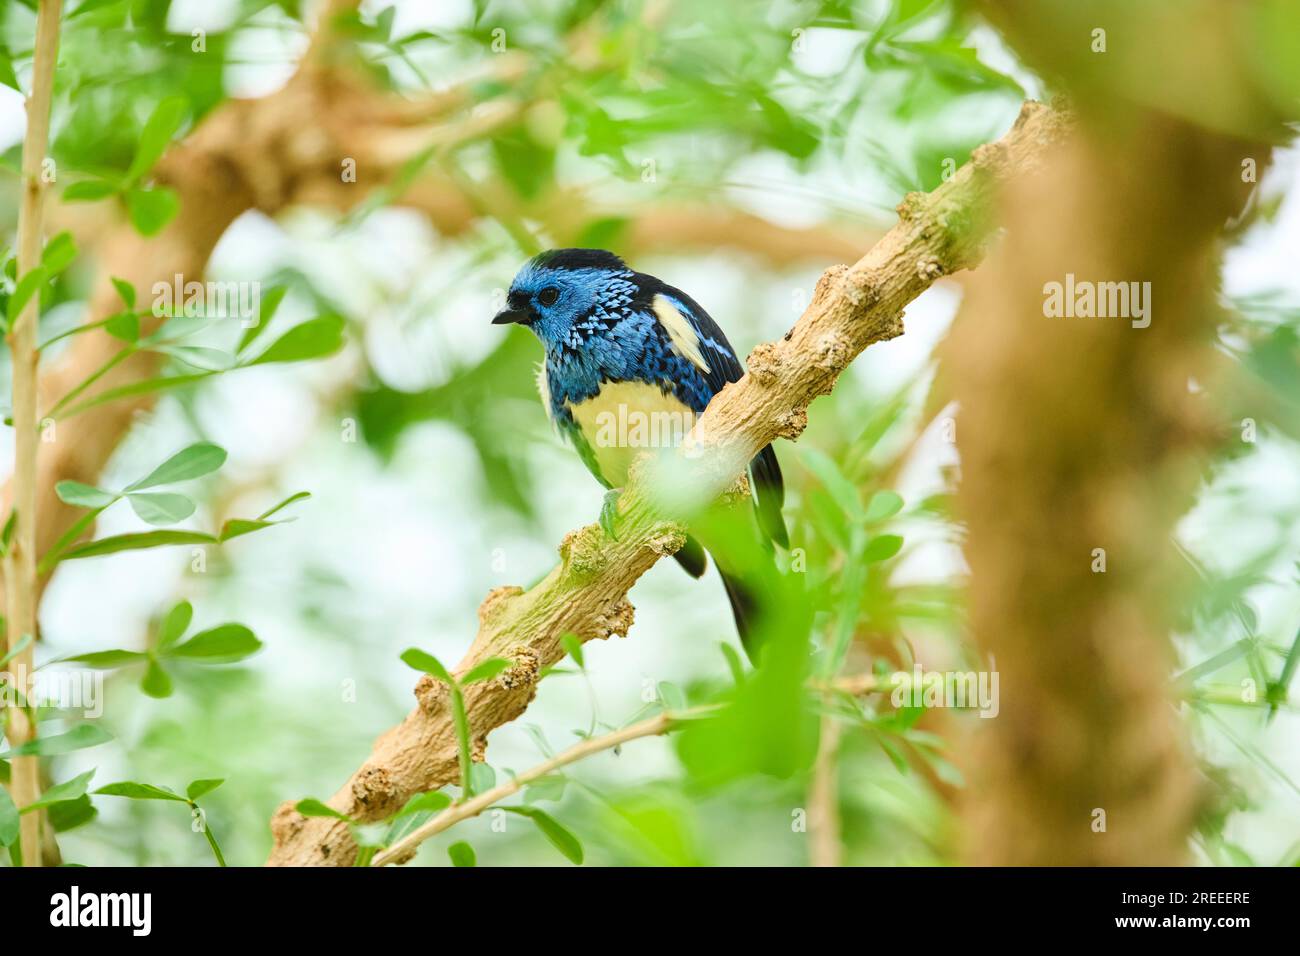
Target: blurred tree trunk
x=1081 y=443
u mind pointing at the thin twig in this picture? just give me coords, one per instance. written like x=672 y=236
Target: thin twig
x=823 y=797
x=659 y=724
x=20 y=559
x=856 y=685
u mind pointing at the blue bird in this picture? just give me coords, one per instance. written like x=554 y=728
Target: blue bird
x=625 y=351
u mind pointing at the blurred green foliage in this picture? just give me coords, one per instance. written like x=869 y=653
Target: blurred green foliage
x=836 y=107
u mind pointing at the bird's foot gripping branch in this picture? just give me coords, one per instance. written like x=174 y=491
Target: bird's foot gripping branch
x=586 y=593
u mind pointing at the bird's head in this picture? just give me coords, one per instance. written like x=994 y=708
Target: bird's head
x=556 y=288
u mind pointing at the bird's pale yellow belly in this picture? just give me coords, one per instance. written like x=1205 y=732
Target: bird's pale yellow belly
x=627 y=419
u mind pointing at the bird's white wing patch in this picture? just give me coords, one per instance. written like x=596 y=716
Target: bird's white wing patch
x=680 y=331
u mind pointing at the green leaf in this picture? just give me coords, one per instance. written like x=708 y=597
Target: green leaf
x=227 y=642
x=16 y=649
x=161 y=508
x=539 y=738
x=1280 y=688
x=211 y=360
x=195 y=461
x=486 y=670
x=7 y=535
x=895 y=755
x=882 y=547
x=105 y=660
x=271 y=300
x=146 y=387
x=138 y=791
x=550 y=787
x=9 y=823
x=766 y=726
x=158 y=132
x=58 y=254
x=7 y=75
x=157 y=683
x=418 y=810
x=311 y=807
x=434 y=801
x=462 y=854
x=72 y=813
x=175 y=624
x=124 y=326
x=384 y=23
x=561 y=838
x=238 y=527
x=136 y=542
x=604 y=233
x=152 y=209
x=89 y=190
x=68 y=790
x=27 y=286
x=573 y=647
x=672 y=696
x=199 y=788
x=125 y=290
x=296 y=496
x=420 y=660
x=78 y=738
x=841 y=488
x=315 y=338
x=88 y=6
x=83 y=496
x=883 y=504
x=460 y=723
x=734 y=663
x=529 y=166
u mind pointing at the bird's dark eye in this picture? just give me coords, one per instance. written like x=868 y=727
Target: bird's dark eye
x=548 y=296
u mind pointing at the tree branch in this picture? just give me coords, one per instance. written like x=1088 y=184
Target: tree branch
x=824 y=798
x=586 y=594
x=1071 y=510
x=20 y=558
x=404 y=849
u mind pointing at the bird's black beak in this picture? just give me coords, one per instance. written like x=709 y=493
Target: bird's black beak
x=507 y=316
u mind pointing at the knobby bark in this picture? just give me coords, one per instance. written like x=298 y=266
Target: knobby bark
x=586 y=594
x=1079 y=441
x=1082 y=441
x=654 y=726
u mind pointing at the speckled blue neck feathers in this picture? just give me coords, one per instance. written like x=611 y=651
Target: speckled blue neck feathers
x=602 y=327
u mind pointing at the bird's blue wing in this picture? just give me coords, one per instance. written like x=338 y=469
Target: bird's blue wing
x=722 y=366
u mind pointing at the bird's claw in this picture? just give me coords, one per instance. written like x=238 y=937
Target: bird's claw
x=609 y=513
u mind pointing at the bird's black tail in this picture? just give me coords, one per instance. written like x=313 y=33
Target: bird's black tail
x=745 y=609
x=745 y=539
